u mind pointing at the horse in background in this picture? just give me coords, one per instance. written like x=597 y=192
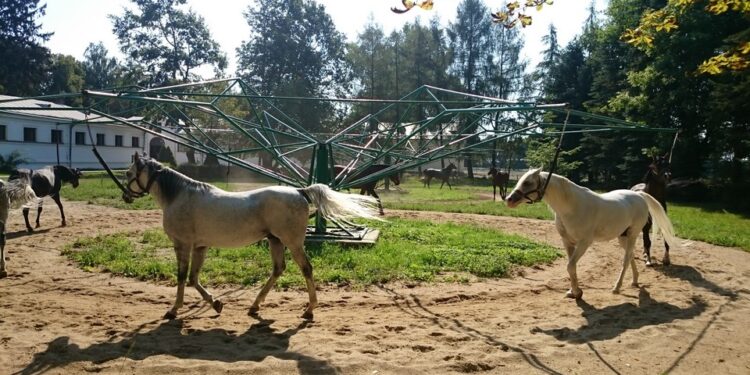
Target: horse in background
x=368 y=188
x=442 y=174
x=499 y=182
x=197 y=215
x=13 y=194
x=583 y=217
x=46 y=182
x=655 y=184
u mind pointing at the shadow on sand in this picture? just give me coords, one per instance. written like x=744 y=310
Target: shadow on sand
x=172 y=339
x=611 y=321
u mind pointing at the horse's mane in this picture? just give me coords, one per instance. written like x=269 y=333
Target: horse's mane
x=66 y=174
x=171 y=183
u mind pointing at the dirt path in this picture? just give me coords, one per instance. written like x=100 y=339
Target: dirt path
x=691 y=317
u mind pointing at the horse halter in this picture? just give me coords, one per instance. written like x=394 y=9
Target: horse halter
x=539 y=191
x=144 y=190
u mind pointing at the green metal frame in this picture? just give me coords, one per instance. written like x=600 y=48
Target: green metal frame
x=400 y=132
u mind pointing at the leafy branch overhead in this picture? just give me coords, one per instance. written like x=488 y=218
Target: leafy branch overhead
x=735 y=57
x=514 y=14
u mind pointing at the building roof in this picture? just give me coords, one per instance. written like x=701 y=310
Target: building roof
x=44 y=109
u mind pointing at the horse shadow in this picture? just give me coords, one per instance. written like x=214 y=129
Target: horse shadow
x=696 y=278
x=24 y=233
x=173 y=339
x=611 y=321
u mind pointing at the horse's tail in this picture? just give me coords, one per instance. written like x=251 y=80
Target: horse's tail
x=660 y=219
x=334 y=205
x=17 y=191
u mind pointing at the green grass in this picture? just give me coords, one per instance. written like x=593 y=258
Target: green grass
x=697 y=222
x=408 y=251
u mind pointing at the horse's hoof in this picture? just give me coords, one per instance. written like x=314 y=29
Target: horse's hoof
x=218 y=306
x=253 y=311
x=616 y=291
x=649 y=264
x=170 y=315
x=307 y=315
x=570 y=294
x=29 y=230
x=3 y=274
x=666 y=262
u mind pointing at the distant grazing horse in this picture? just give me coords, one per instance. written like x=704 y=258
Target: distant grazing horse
x=12 y=194
x=442 y=174
x=582 y=217
x=499 y=180
x=47 y=182
x=197 y=215
x=655 y=184
x=369 y=187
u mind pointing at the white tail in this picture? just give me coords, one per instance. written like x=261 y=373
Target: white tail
x=660 y=219
x=18 y=192
x=335 y=205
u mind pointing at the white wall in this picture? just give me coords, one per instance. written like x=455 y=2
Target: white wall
x=43 y=152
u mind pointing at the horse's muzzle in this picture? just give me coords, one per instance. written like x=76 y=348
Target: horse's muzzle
x=513 y=199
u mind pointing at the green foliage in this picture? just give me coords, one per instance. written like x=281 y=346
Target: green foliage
x=295 y=50
x=166 y=41
x=101 y=70
x=407 y=251
x=166 y=156
x=66 y=75
x=11 y=161
x=23 y=58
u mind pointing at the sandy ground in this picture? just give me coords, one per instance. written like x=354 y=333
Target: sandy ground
x=691 y=317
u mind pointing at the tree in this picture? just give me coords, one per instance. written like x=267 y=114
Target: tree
x=168 y=42
x=294 y=49
x=66 y=75
x=101 y=70
x=733 y=50
x=23 y=59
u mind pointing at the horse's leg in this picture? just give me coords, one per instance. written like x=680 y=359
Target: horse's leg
x=277 y=256
x=493 y=192
x=627 y=243
x=647 y=242
x=183 y=259
x=573 y=257
x=3 y=272
x=55 y=198
x=666 y=260
x=196 y=262
x=299 y=256
x=29 y=229
x=375 y=195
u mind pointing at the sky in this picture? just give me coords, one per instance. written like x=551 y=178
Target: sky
x=76 y=23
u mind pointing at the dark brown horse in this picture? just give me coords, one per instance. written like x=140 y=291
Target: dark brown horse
x=442 y=174
x=499 y=181
x=368 y=188
x=655 y=184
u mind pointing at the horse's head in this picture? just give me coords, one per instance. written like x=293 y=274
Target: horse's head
x=660 y=170
x=529 y=187
x=492 y=171
x=395 y=178
x=450 y=166
x=141 y=175
x=68 y=175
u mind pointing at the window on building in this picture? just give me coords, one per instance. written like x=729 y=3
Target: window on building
x=136 y=142
x=100 y=139
x=80 y=138
x=29 y=134
x=3 y=132
x=118 y=140
x=57 y=136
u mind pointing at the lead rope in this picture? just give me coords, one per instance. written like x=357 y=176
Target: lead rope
x=554 y=160
x=126 y=196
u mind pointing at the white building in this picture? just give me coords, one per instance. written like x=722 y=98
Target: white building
x=46 y=133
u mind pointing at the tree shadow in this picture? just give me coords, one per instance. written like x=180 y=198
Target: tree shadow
x=695 y=278
x=611 y=321
x=171 y=338
x=413 y=306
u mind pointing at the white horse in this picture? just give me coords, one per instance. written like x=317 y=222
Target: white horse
x=13 y=194
x=582 y=217
x=198 y=215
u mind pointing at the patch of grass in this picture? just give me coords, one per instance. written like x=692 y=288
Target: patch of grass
x=710 y=225
x=408 y=250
